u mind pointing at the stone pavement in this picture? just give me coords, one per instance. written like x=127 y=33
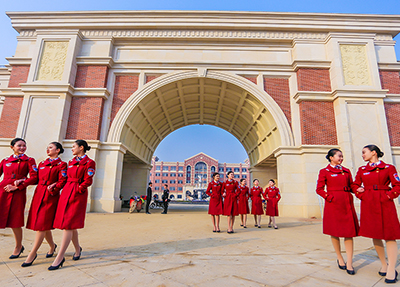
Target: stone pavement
x=180 y=249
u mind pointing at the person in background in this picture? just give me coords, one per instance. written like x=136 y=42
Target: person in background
x=15 y=170
x=272 y=196
x=256 y=194
x=243 y=202
x=165 y=199
x=149 y=194
x=215 y=207
x=378 y=217
x=231 y=209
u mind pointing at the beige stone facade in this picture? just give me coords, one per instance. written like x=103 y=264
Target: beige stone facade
x=288 y=86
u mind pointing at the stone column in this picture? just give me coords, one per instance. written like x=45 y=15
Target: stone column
x=134 y=179
x=107 y=183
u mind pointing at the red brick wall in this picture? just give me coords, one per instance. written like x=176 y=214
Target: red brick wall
x=251 y=79
x=393 y=121
x=125 y=86
x=19 y=74
x=85 y=118
x=91 y=77
x=390 y=80
x=313 y=80
x=10 y=116
x=150 y=78
x=278 y=89
x=318 y=123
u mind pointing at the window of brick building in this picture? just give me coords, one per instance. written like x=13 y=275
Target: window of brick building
x=180 y=168
x=165 y=168
x=173 y=168
x=188 y=173
x=172 y=175
x=172 y=181
x=158 y=167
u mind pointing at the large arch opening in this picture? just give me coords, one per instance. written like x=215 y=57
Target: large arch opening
x=185 y=98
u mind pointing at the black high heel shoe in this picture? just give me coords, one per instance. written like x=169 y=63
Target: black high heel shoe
x=77 y=257
x=51 y=268
x=25 y=264
x=342 y=267
x=16 y=256
x=51 y=254
x=390 y=281
x=350 y=272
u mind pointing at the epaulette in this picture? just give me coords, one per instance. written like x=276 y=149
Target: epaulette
x=363 y=167
x=386 y=166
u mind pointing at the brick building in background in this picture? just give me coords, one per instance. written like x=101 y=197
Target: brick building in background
x=287 y=86
x=194 y=173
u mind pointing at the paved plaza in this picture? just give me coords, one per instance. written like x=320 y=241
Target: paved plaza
x=180 y=249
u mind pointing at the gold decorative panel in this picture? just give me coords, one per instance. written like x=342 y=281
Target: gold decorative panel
x=355 y=65
x=52 y=63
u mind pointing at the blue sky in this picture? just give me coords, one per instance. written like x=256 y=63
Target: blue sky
x=190 y=140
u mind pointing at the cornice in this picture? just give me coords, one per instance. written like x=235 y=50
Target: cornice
x=389 y=66
x=91 y=92
x=313 y=22
x=106 y=61
x=14 y=61
x=11 y=92
x=301 y=96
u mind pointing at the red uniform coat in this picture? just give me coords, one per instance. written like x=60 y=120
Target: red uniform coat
x=44 y=202
x=272 y=196
x=230 y=202
x=214 y=190
x=378 y=212
x=71 y=207
x=340 y=218
x=256 y=200
x=12 y=204
x=243 y=199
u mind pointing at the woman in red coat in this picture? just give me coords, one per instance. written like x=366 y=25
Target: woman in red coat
x=272 y=196
x=52 y=175
x=214 y=190
x=13 y=191
x=378 y=219
x=340 y=218
x=71 y=209
x=231 y=209
x=243 y=202
x=256 y=194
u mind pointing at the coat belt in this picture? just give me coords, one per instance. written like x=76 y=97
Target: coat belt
x=377 y=187
x=74 y=180
x=344 y=188
x=45 y=182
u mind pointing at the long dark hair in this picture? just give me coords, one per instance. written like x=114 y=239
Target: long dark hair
x=332 y=152
x=373 y=147
x=83 y=143
x=58 y=146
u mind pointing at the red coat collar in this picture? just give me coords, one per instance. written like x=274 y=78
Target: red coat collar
x=335 y=170
x=53 y=163
x=22 y=158
x=381 y=165
x=74 y=161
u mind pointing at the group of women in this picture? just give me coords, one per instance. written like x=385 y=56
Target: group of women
x=376 y=184
x=231 y=199
x=50 y=208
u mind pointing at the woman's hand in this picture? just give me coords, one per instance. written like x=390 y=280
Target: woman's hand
x=360 y=189
x=19 y=181
x=224 y=194
x=51 y=186
x=10 y=188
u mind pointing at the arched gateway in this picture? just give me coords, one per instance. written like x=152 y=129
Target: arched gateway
x=288 y=86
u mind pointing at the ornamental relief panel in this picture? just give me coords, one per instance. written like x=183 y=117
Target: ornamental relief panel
x=355 y=65
x=52 y=63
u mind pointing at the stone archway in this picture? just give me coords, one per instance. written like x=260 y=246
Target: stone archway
x=185 y=98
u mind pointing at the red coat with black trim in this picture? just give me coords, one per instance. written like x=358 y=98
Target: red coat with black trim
x=378 y=211
x=44 y=201
x=272 y=195
x=256 y=193
x=340 y=218
x=243 y=200
x=12 y=204
x=71 y=209
x=230 y=202
x=214 y=190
